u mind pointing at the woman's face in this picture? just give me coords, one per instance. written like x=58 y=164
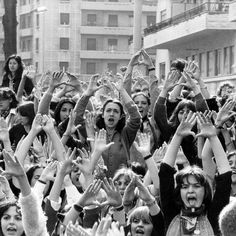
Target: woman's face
x=13 y=65
x=122 y=183
x=192 y=192
x=36 y=176
x=142 y=105
x=65 y=111
x=76 y=177
x=5 y=104
x=24 y=120
x=11 y=223
x=111 y=114
x=141 y=227
x=181 y=113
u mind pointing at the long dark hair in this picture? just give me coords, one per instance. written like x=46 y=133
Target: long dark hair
x=121 y=123
x=174 y=121
x=58 y=109
x=20 y=65
x=3 y=208
x=201 y=177
x=27 y=109
x=7 y=93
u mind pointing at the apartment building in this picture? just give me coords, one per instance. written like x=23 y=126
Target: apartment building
x=204 y=31
x=2 y=59
x=84 y=37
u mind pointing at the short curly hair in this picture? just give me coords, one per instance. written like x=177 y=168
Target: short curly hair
x=227 y=219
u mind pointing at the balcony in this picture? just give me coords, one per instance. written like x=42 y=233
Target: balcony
x=202 y=20
x=148 y=6
x=102 y=30
x=106 y=55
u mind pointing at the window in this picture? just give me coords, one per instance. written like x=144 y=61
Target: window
x=163 y=15
x=91 y=19
x=64 y=18
x=26 y=44
x=37 y=20
x=202 y=63
x=131 y=20
x=210 y=63
x=25 y=21
x=226 y=60
x=91 y=68
x=112 y=44
x=37 y=44
x=64 y=43
x=112 y=67
x=36 y=66
x=64 y=65
x=231 y=59
x=217 y=62
x=91 y=44
x=151 y=20
x=113 y=20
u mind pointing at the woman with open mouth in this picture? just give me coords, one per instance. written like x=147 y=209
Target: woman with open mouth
x=192 y=207
x=112 y=119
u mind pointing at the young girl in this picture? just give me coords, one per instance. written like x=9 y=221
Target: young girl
x=191 y=208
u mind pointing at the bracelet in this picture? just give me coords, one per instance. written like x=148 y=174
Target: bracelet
x=147 y=157
x=78 y=208
x=151 y=69
x=41 y=181
x=120 y=208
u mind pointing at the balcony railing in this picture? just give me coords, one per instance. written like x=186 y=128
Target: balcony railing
x=209 y=7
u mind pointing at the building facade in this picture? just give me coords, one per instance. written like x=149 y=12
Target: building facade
x=204 y=31
x=83 y=37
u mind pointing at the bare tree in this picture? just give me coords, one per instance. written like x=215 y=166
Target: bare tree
x=9 y=25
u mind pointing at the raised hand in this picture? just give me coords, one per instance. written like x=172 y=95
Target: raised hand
x=56 y=79
x=74 y=81
x=30 y=72
x=93 y=85
x=189 y=81
x=206 y=127
x=14 y=168
x=47 y=124
x=147 y=59
x=90 y=125
x=193 y=69
x=113 y=196
x=71 y=128
x=144 y=146
x=67 y=165
x=5 y=190
x=89 y=196
x=4 y=134
x=49 y=171
x=225 y=112
x=83 y=162
x=129 y=194
x=102 y=228
x=186 y=125
x=159 y=153
x=115 y=230
x=172 y=80
x=37 y=123
x=119 y=85
x=75 y=230
x=100 y=144
x=144 y=194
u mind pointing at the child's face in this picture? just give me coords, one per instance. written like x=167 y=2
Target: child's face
x=192 y=192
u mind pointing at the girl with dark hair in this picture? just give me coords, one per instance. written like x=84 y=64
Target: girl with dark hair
x=13 y=70
x=112 y=119
x=191 y=207
x=169 y=126
x=8 y=104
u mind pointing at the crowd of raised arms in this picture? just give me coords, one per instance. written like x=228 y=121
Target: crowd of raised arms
x=125 y=154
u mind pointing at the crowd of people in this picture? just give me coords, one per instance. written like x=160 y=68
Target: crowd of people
x=123 y=154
